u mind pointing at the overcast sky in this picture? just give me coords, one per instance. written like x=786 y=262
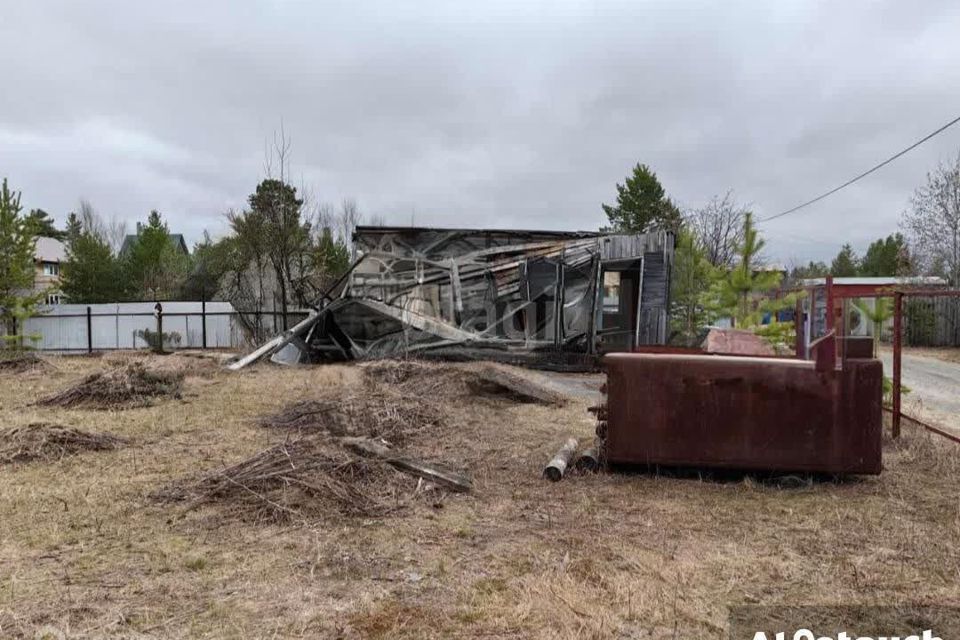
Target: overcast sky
x=480 y=114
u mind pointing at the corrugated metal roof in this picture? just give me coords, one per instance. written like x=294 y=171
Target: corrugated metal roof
x=878 y=281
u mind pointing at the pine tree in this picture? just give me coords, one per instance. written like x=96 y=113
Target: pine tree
x=91 y=273
x=886 y=257
x=43 y=224
x=737 y=293
x=743 y=292
x=18 y=242
x=690 y=277
x=642 y=204
x=154 y=266
x=846 y=264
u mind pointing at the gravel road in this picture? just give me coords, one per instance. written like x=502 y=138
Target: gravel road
x=934 y=387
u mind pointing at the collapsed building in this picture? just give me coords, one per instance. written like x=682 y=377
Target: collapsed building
x=549 y=298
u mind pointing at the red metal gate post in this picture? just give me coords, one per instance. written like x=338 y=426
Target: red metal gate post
x=897 y=346
x=831 y=317
x=798 y=328
x=829 y=305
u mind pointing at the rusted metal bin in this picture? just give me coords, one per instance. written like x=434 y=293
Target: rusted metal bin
x=744 y=413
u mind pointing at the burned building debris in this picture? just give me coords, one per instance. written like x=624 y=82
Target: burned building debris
x=536 y=297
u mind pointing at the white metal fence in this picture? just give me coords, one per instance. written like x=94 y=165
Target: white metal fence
x=98 y=327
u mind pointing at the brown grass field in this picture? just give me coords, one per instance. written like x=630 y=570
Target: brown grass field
x=88 y=552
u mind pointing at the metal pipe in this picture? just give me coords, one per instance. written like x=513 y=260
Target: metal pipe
x=89 y=331
x=928 y=427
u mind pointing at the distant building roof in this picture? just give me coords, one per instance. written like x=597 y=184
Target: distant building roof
x=50 y=250
x=776 y=266
x=176 y=239
x=927 y=281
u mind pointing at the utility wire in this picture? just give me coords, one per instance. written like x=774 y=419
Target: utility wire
x=864 y=174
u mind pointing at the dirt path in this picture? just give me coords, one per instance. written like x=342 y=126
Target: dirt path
x=585 y=386
x=934 y=387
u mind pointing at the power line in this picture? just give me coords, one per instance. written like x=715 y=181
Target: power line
x=865 y=173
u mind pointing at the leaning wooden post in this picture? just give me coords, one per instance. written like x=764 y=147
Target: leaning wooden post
x=558 y=464
x=897 y=347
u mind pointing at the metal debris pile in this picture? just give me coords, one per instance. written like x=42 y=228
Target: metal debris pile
x=40 y=441
x=533 y=297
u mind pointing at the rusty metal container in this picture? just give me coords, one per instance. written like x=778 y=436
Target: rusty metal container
x=744 y=413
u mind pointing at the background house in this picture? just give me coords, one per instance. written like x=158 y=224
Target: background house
x=49 y=256
x=176 y=241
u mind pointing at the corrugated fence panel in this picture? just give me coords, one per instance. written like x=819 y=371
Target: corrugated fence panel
x=120 y=326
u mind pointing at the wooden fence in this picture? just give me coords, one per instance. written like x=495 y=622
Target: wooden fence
x=932 y=322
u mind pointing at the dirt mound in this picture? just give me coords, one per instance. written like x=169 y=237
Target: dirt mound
x=451 y=380
x=15 y=361
x=49 y=442
x=503 y=381
x=130 y=386
x=299 y=480
x=373 y=410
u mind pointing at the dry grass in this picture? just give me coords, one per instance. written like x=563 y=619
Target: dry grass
x=49 y=442
x=85 y=550
x=132 y=385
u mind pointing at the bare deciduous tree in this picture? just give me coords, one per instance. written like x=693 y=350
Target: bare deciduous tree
x=718 y=226
x=348 y=220
x=111 y=232
x=246 y=279
x=932 y=224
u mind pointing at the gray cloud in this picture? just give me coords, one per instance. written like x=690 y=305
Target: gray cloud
x=488 y=114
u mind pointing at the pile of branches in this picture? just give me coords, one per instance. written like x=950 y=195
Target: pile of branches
x=50 y=442
x=418 y=378
x=448 y=381
x=133 y=385
x=299 y=480
x=20 y=361
x=373 y=410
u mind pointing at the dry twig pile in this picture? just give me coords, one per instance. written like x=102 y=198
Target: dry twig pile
x=17 y=361
x=48 y=442
x=133 y=385
x=298 y=480
x=374 y=410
